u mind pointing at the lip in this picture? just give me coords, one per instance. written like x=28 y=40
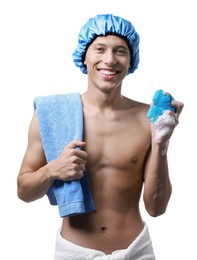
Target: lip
x=108 y=73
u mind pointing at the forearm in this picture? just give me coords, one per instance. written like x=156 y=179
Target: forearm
x=34 y=185
x=157 y=186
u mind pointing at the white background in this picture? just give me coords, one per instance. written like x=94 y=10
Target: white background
x=37 y=39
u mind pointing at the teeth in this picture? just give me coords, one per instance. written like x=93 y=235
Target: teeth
x=107 y=72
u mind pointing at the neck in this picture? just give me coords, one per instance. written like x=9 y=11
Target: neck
x=102 y=99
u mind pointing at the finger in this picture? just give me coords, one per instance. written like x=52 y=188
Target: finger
x=178 y=107
x=78 y=176
x=80 y=160
x=80 y=155
x=74 y=144
x=81 y=174
x=167 y=93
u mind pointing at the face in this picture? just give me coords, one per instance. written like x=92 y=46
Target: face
x=107 y=60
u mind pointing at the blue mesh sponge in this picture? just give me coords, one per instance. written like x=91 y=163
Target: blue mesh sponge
x=103 y=24
x=161 y=103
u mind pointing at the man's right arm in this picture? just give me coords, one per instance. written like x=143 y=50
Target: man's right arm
x=36 y=175
x=34 y=178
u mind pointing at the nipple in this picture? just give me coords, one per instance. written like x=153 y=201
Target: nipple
x=134 y=159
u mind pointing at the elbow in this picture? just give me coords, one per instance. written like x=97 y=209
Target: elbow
x=156 y=212
x=27 y=194
x=22 y=192
x=158 y=206
x=22 y=196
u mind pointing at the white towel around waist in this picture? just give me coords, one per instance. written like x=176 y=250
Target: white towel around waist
x=140 y=249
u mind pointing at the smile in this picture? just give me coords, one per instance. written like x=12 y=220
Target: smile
x=107 y=72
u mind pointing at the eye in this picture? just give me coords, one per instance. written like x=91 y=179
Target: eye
x=99 y=49
x=121 y=51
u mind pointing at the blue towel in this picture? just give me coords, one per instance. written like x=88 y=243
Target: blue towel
x=60 y=119
x=161 y=103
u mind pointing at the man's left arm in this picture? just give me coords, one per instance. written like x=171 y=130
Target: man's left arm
x=157 y=185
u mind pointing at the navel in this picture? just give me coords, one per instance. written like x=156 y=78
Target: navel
x=103 y=229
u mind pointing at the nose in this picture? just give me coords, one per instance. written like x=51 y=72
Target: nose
x=109 y=58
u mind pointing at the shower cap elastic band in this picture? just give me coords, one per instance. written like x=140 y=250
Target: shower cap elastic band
x=104 y=24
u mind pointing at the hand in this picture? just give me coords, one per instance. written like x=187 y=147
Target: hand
x=70 y=165
x=178 y=107
x=164 y=126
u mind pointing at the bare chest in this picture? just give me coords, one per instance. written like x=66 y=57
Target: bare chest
x=115 y=142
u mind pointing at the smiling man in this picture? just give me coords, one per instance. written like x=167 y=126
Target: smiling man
x=94 y=153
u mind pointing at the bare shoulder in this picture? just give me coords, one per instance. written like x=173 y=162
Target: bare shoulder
x=137 y=106
x=137 y=113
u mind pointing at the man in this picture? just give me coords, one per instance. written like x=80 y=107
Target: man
x=92 y=153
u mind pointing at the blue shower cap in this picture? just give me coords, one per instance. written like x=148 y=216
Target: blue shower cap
x=104 y=24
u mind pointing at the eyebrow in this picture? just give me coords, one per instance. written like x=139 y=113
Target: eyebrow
x=117 y=46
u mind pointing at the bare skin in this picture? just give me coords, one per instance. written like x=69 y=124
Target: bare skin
x=119 y=153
